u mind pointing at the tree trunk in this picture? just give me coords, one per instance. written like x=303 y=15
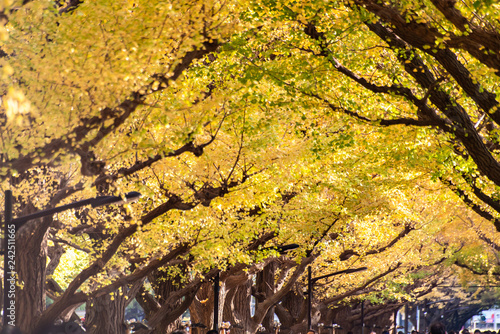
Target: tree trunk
x=163 y=285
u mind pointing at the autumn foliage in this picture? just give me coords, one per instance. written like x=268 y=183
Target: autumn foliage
x=365 y=132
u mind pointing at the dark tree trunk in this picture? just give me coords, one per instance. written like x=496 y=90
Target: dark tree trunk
x=106 y=314
x=265 y=287
x=292 y=313
x=237 y=308
x=338 y=315
x=200 y=310
x=31 y=257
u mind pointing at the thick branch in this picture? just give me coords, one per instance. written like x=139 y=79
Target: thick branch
x=361 y=287
x=481 y=43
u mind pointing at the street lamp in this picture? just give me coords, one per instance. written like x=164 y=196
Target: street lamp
x=9 y=248
x=311 y=281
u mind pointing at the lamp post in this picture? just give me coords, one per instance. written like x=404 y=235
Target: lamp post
x=312 y=280
x=9 y=248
